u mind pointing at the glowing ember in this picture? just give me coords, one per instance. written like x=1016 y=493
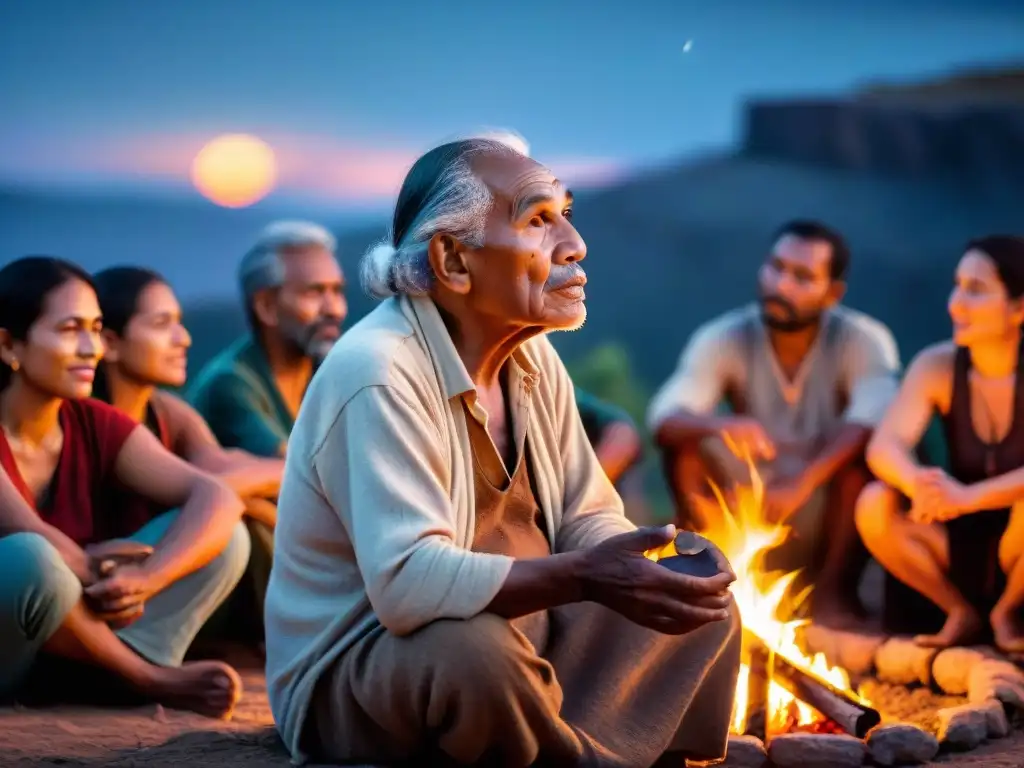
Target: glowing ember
x=766 y=606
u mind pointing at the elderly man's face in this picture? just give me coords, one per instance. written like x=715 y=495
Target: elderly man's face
x=311 y=302
x=528 y=271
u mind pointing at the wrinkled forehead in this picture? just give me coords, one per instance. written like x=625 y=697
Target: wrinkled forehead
x=517 y=183
x=811 y=254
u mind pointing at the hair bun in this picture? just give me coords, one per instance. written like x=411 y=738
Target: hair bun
x=378 y=269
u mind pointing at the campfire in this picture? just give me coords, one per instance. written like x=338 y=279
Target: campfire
x=777 y=679
x=804 y=708
x=773 y=662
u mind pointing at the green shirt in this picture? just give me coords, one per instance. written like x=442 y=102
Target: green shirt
x=236 y=394
x=598 y=415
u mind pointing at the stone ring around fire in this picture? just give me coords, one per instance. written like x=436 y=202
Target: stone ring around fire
x=689 y=543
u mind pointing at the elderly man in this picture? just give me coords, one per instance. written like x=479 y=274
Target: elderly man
x=249 y=394
x=455 y=579
x=806 y=380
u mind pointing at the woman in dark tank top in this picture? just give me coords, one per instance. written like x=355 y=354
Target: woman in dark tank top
x=960 y=542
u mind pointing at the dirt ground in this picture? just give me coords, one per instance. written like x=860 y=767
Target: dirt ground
x=151 y=737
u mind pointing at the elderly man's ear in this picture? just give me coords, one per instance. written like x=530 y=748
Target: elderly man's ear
x=448 y=260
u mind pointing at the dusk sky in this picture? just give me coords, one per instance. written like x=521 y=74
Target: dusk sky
x=110 y=94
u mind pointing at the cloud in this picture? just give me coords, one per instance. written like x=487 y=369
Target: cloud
x=317 y=168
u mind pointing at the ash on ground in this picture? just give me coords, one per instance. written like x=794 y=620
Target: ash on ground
x=908 y=705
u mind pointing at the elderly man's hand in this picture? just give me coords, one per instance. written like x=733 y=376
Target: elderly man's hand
x=618 y=575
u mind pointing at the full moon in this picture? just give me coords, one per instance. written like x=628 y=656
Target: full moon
x=235 y=170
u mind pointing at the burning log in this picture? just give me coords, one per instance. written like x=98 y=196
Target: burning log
x=845 y=709
x=758 y=681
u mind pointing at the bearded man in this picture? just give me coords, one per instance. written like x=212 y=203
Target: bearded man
x=293 y=292
x=804 y=381
x=455 y=578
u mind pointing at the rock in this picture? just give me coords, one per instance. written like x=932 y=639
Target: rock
x=901 y=744
x=963 y=727
x=900 y=660
x=995 y=718
x=816 y=750
x=852 y=651
x=745 y=752
x=952 y=667
x=996 y=679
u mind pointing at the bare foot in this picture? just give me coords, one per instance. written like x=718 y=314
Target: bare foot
x=962 y=627
x=211 y=688
x=1008 y=632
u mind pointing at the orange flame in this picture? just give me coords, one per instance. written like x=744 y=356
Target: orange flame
x=740 y=529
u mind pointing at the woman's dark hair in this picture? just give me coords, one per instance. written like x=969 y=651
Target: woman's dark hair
x=1007 y=253
x=118 y=289
x=25 y=285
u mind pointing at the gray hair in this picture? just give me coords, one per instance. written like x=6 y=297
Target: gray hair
x=261 y=266
x=440 y=194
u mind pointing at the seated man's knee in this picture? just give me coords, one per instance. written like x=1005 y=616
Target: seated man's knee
x=38 y=582
x=484 y=649
x=729 y=631
x=853 y=476
x=230 y=564
x=876 y=511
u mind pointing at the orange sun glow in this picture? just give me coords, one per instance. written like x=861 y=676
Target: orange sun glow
x=235 y=170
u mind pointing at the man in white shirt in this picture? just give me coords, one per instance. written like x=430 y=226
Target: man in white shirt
x=806 y=380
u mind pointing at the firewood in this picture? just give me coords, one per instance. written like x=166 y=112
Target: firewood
x=901 y=661
x=846 y=709
x=952 y=667
x=901 y=744
x=811 y=750
x=745 y=752
x=963 y=727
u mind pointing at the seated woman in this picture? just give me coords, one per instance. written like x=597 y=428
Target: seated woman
x=75 y=581
x=958 y=538
x=146 y=348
